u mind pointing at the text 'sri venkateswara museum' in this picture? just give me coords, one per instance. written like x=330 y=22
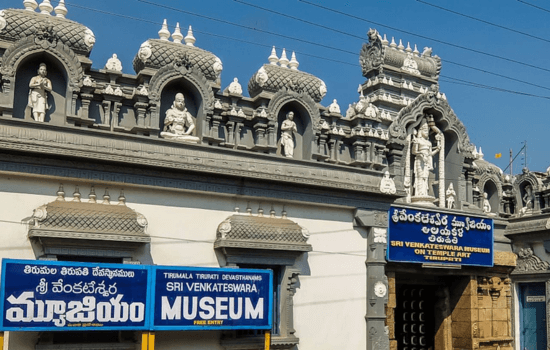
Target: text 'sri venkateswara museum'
x=164 y=210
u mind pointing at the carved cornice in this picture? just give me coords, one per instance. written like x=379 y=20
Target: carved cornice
x=529 y=262
x=285 y=96
x=432 y=99
x=33 y=44
x=140 y=151
x=530 y=225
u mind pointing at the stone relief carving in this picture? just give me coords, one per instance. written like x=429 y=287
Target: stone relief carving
x=179 y=123
x=423 y=152
x=528 y=261
x=288 y=128
x=380 y=235
x=3 y=22
x=410 y=65
x=235 y=88
x=372 y=54
x=528 y=201
x=39 y=87
x=145 y=51
x=334 y=107
x=486 y=204
x=89 y=38
x=386 y=184
x=87 y=81
x=114 y=64
x=217 y=67
x=451 y=196
x=261 y=77
x=323 y=89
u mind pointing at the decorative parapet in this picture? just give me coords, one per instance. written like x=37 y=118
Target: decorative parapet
x=157 y=53
x=20 y=24
x=91 y=220
x=529 y=262
x=378 y=53
x=528 y=225
x=259 y=232
x=272 y=78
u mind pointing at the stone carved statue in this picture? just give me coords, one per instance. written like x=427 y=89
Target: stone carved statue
x=288 y=128
x=114 y=64
x=528 y=200
x=423 y=162
x=38 y=93
x=179 y=123
x=486 y=204
x=451 y=196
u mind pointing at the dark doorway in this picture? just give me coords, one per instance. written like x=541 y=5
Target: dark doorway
x=415 y=317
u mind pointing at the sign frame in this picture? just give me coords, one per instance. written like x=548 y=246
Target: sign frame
x=147 y=311
x=401 y=253
x=155 y=327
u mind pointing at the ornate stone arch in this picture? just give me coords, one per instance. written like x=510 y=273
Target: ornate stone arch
x=30 y=45
x=180 y=70
x=493 y=178
x=525 y=179
x=432 y=99
x=285 y=96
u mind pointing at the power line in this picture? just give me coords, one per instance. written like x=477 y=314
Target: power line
x=535 y=6
x=464 y=82
x=359 y=37
x=423 y=36
x=246 y=27
x=484 y=21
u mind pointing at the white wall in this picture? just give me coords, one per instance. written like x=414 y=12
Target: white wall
x=330 y=303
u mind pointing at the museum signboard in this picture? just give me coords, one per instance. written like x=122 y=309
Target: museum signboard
x=432 y=237
x=211 y=298
x=51 y=295
x=61 y=296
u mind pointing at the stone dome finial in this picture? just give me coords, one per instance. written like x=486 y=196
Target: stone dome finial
x=164 y=34
x=393 y=44
x=176 y=35
x=61 y=10
x=45 y=7
x=30 y=5
x=283 y=61
x=400 y=47
x=273 y=59
x=293 y=62
x=416 y=52
x=189 y=38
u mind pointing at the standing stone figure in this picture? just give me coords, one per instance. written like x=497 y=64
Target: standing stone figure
x=423 y=163
x=486 y=204
x=451 y=195
x=38 y=93
x=179 y=124
x=287 y=135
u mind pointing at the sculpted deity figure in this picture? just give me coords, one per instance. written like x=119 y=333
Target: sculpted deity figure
x=423 y=162
x=528 y=200
x=38 y=93
x=288 y=128
x=486 y=204
x=450 y=195
x=179 y=124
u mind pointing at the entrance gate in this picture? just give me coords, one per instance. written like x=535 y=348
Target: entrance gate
x=414 y=317
x=532 y=300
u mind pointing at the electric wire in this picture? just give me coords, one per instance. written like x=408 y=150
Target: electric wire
x=362 y=38
x=319 y=57
x=247 y=27
x=484 y=21
x=533 y=5
x=424 y=36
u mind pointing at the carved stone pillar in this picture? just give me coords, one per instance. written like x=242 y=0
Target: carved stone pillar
x=86 y=99
x=376 y=223
x=259 y=133
x=359 y=150
x=106 y=118
x=141 y=109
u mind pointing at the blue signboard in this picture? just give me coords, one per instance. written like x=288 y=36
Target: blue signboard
x=51 y=295
x=424 y=236
x=192 y=298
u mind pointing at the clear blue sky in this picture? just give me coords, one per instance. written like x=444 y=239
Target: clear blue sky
x=495 y=120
